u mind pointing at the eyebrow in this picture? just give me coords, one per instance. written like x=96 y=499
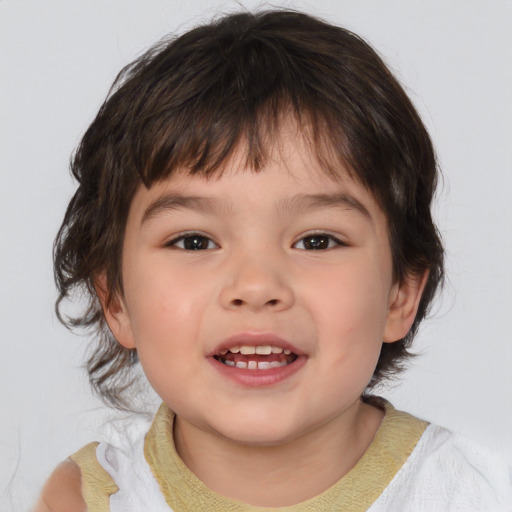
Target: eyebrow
x=173 y=202
x=314 y=201
x=299 y=202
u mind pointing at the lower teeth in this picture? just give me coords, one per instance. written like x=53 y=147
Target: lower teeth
x=255 y=365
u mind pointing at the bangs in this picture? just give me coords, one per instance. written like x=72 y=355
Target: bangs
x=204 y=147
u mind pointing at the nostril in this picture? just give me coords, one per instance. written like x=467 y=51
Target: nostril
x=240 y=302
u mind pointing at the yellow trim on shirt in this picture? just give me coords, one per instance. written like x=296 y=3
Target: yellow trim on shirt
x=355 y=492
x=97 y=484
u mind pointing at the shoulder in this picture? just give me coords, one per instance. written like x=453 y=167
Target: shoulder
x=453 y=451
x=456 y=468
x=62 y=491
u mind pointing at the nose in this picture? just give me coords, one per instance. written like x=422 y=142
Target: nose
x=257 y=284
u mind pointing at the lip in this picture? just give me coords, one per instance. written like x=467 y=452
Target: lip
x=257 y=378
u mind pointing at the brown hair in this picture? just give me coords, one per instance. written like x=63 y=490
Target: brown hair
x=190 y=102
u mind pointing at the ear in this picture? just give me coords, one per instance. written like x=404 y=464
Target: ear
x=404 y=300
x=115 y=312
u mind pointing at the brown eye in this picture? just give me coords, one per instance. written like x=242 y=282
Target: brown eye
x=318 y=242
x=193 y=242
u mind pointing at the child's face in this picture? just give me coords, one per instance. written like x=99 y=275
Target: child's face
x=287 y=258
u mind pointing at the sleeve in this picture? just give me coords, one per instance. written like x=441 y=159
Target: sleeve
x=97 y=484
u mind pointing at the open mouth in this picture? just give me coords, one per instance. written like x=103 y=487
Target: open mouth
x=258 y=357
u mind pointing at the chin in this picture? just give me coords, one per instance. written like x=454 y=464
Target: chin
x=257 y=432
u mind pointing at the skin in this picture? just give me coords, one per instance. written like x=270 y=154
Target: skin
x=62 y=491
x=257 y=274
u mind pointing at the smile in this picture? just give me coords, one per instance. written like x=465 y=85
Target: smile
x=258 y=357
x=257 y=360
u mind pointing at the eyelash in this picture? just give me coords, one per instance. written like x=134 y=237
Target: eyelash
x=188 y=236
x=331 y=244
x=332 y=241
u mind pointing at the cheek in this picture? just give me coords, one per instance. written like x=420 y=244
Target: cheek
x=350 y=309
x=166 y=332
x=164 y=293
x=351 y=301
x=165 y=309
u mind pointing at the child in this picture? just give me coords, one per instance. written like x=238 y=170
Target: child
x=253 y=224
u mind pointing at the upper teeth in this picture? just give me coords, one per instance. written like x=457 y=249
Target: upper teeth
x=258 y=349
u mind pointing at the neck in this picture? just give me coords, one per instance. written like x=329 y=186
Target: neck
x=291 y=472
